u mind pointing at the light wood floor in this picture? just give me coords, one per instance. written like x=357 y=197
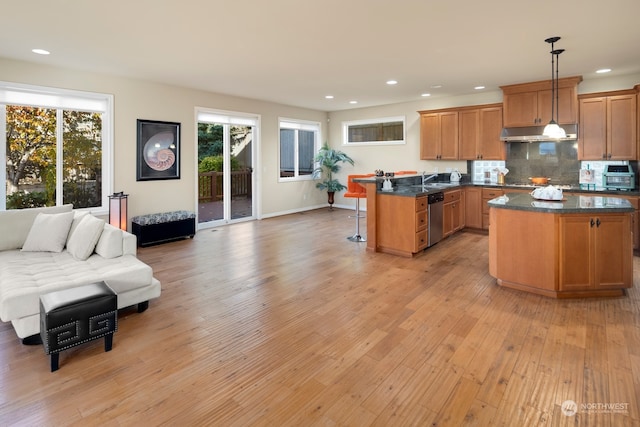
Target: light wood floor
x=283 y=322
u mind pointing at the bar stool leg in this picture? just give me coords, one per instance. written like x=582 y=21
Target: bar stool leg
x=357 y=237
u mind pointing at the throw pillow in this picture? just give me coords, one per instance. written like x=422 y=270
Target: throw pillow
x=77 y=217
x=48 y=233
x=110 y=243
x=82 y=241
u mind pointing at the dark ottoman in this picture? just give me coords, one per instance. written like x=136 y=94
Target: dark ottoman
x=74 y=316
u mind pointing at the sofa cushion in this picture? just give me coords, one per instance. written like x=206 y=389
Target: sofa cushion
x=48 y=232
x=16 y=223
x=110 y=243
x=26 y=275
x=82 y=241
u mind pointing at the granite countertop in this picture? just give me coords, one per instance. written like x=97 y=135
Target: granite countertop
x=569 y=204
x=409 y=186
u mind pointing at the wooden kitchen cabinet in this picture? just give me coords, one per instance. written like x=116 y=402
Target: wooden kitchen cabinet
x=608 y=126
x=453 y=212
x=401 y=224
x=479 y=133
x=439 y=135
x=488 y=193
x=529 y=104
x=635 y=219
x=473 y=207
x=595 y=252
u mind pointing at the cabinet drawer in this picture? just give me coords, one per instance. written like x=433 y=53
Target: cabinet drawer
x=451 y=196
x=421 y=204
x=421 y=240
x=421 y=220
x=491 y=193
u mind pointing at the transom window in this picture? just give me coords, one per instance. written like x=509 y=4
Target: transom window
x=55 y=146
x=298 y=147
x=388 y=130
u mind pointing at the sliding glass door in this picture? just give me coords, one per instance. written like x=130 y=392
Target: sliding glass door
x=226 y=146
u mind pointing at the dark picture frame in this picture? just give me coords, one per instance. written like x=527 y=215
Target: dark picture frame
x=158 y=150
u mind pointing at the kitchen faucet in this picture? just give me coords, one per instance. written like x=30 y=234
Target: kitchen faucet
x=426 y=178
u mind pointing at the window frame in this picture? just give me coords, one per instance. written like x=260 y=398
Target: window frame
x=376 y=121
x=297 y=125
x=61 y=99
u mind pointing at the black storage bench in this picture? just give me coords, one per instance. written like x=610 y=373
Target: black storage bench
x=163 y=227
x=74 y=316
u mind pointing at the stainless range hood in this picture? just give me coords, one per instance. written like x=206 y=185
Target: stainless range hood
x=534 y=134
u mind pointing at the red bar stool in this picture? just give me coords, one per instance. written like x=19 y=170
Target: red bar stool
x=356 y=191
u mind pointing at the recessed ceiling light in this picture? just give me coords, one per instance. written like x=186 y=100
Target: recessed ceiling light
x=436 y=86
x=479 y=87
x=603 y=70
x=392 y=82
x=426 y=94
x=329 y=97
x=40 y=51
x=353 y=102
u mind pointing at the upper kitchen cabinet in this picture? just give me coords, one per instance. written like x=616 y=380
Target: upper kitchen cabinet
x=465 y=133
x=479 y=135
x=529 y=104
x=608 y=126
x=439 y=135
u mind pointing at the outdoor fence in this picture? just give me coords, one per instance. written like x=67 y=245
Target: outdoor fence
x=210 y=187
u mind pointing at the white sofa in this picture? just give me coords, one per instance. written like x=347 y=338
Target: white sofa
x=37 y=256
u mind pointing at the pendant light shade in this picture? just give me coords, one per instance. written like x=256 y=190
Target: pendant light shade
x=553 y=130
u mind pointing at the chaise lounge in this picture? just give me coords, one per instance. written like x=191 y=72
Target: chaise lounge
x=54 y=248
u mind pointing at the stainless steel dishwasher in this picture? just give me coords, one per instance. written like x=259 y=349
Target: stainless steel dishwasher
x=435 y=203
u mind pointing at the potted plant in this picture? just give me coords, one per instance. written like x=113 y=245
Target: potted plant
x=329 y=163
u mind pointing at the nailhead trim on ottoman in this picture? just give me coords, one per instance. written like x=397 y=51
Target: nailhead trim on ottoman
x=71 y=317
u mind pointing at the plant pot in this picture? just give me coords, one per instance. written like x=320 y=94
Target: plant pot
x=330 y=198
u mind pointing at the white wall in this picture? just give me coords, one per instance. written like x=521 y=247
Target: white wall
x=407 y=157
x=137 y=99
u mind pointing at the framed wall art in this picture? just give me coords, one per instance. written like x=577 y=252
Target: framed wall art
x=158 y=150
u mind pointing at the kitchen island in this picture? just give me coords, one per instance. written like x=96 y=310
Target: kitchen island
x=578 y=247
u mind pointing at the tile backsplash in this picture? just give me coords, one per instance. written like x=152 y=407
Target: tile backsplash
x=557 y=161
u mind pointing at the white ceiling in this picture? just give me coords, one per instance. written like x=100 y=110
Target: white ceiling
x=297 y=51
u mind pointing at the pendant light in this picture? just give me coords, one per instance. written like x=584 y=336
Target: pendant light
x=553 y=130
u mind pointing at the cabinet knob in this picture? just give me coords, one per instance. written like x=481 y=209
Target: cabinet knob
x=592 y=222
x=598 y=222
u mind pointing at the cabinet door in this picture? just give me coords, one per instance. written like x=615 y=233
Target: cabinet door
x=592 y=136
x=449 y=135
x=567 y=106
x=429 y=136
x=576 y=254
x=520 y=109
x=490 y=146
x=447 y=219
x=621 y=127
x=473 y=207
x=613 y=255
x=469 y=137
x=458 y=213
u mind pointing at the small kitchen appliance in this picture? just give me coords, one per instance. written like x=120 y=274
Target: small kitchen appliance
x=618 y=177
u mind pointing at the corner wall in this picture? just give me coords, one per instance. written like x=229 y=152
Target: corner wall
x=140 y=99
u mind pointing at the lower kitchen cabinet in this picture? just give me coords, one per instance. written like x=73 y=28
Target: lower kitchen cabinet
x=473 y=207
x=635 y=220
x=402 y=224
x=453 y=212
x=488 y=193
x=595 y=252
